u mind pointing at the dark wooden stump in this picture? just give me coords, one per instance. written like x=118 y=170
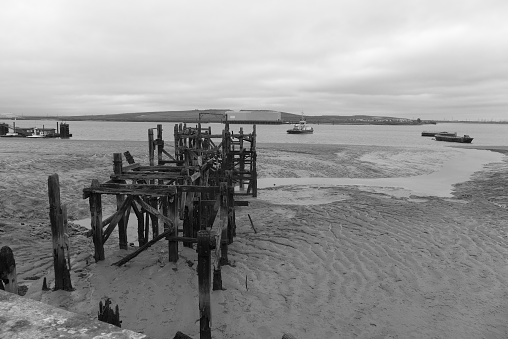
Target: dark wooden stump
x=180 y=335
x=107 y=315
x=8 y=274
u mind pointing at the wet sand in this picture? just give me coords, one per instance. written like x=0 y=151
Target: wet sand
x=327 y=261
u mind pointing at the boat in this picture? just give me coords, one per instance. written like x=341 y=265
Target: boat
x=432 y=134
x=466 y=139
x=301 y=128
x=11 y=135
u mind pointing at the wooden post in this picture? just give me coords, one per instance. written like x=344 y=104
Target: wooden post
x=254 y=172
x=96 y=222
x=154 y=202
x=160 y=144
x=242 y=158
x=141 y=224
x=224 y=218
x=204 y=284
x=122 y=225
x=150 y=147
x=62 y=274
x=172 y=214
x=8 y=271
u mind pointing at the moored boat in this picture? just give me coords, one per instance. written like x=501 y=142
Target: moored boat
x=432 y=134
x=466 y=139
x=301 y=128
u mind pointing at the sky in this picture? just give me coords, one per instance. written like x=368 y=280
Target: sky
x=428 y=59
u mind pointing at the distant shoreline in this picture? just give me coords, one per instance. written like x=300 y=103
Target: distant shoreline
x=319 y=120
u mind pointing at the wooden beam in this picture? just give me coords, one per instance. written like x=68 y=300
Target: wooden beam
x=134 y=189
x=155 y=212
x=130 y=167
x=117 y=217
x=135 y=175
x=141 y=249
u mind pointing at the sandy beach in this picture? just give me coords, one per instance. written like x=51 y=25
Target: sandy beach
x=327 y=259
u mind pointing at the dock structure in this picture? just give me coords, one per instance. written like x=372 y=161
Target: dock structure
x=187 y=197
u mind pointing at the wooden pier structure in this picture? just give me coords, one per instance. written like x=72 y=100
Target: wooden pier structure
x=187 y=197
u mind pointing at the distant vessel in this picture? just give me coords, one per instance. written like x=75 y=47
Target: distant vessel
x=34 y=132
x=432 y=134
x=37 y=133
x=466 y=139
x=301 y=128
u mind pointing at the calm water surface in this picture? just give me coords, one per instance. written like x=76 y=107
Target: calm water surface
x=382 y=135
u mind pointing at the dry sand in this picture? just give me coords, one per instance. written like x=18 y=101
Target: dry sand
x=326 y=262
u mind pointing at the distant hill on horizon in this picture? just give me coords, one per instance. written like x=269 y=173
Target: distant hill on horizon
x=217 y=115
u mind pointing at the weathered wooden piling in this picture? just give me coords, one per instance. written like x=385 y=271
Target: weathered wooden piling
x=204 y=284
x=8 y=275
x=60 y=237
x=95 y=201
x=120 y=198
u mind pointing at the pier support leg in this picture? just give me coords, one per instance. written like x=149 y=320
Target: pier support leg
x=96 y=222
x=204 y=284
x=60 y=237
x=172 y=214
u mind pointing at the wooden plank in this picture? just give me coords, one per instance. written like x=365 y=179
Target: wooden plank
x=146 y=176
x=141 y=249
x=134 y=189
x=130 y=167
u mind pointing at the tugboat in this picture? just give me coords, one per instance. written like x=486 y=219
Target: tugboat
x=301 y=128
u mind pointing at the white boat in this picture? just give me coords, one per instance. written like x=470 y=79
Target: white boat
x=36 y=133
x=301 y=128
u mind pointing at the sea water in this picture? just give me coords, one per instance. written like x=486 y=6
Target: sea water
x=381 y=135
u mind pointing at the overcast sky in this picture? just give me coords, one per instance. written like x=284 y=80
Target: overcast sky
x=435 y=59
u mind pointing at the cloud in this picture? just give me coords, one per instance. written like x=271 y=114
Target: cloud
x=321 y=57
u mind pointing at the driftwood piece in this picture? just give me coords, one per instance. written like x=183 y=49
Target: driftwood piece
x=8 y=274
x=252 y=224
